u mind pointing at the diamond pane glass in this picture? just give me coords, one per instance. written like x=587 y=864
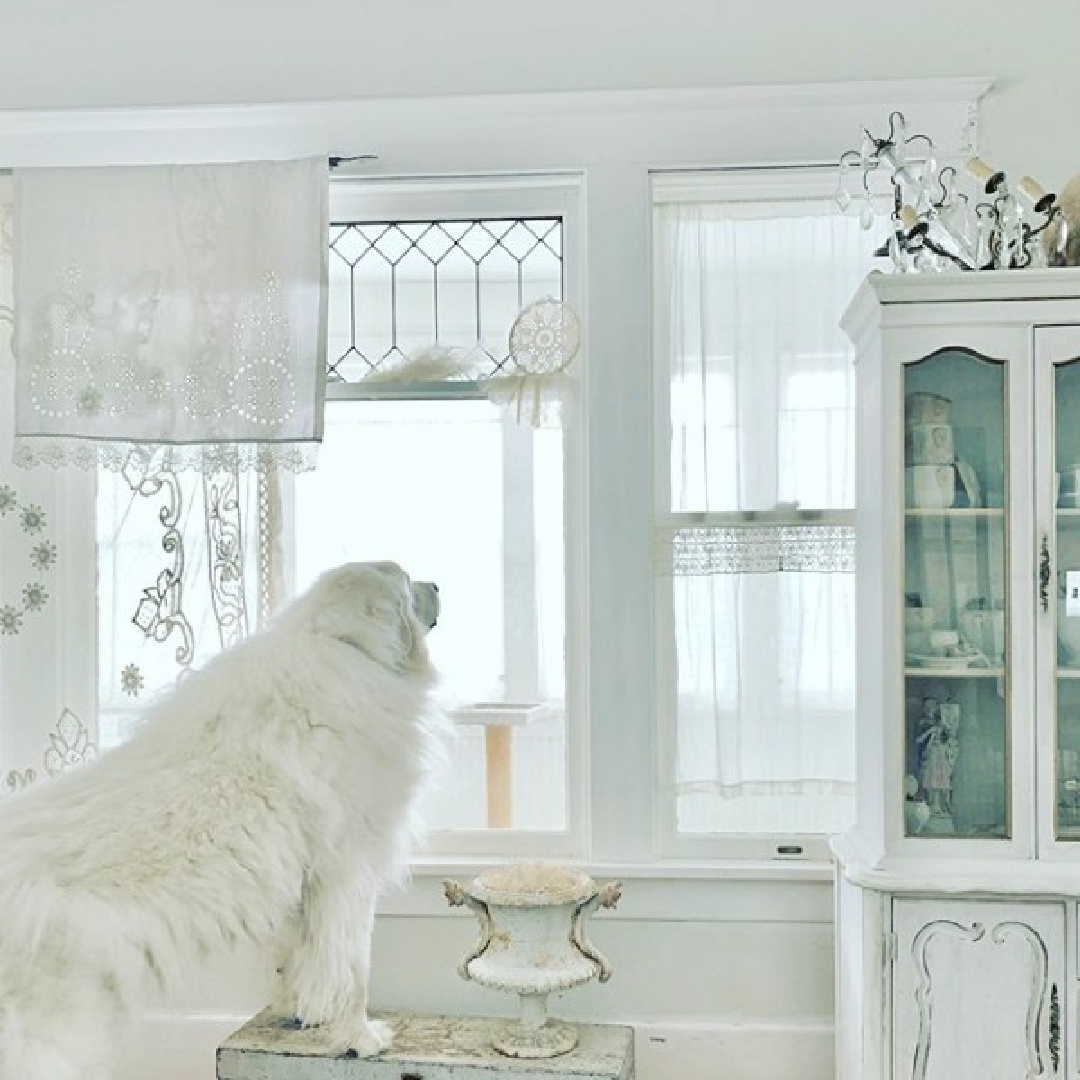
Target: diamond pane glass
x=399 y=286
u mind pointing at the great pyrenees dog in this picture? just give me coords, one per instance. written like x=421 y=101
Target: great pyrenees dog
x=267 y=799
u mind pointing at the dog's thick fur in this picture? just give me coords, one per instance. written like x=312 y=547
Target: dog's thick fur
x=267 y=799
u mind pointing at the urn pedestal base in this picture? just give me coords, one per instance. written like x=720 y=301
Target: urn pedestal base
x=551 y=1040
x=424 y=1047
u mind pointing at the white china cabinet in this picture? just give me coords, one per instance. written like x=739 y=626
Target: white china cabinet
x=957 y=890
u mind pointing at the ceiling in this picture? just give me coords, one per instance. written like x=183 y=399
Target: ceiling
x=71 y=53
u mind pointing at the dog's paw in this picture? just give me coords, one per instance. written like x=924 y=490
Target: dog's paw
x=371 y=1038
x=357 y=1038
x=283 y=1009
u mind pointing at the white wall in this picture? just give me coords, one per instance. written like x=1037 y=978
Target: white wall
x=717 y=974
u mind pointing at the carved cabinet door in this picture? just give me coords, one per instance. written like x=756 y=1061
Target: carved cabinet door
x=978 y=990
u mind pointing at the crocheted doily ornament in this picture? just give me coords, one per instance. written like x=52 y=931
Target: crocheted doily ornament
x=537 y=385
x=545 y=337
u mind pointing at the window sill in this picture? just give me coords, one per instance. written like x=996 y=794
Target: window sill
x=779 y=869
x=702 y=891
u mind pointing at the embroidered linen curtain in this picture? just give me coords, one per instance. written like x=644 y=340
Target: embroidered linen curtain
x=179 y=306
x=761 y=592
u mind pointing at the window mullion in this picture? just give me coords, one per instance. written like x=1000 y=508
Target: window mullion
x=620 y=620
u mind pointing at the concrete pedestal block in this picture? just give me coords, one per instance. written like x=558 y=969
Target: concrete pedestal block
x=425 y=1048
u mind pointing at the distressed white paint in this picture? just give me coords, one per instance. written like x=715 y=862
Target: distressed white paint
x=435 y=1047
x=532 y=943
x=959 y=952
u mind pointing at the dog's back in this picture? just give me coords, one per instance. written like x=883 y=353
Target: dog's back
x=298 y=751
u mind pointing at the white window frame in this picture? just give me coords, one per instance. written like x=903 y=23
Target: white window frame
x=450 y=198
x=779 y=185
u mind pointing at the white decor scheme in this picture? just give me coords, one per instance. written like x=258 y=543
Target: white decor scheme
x=175 y=305
x=532 y=943
x=958 y=891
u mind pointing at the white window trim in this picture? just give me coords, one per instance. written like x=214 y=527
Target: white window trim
x=446 y=198
x=614 y=140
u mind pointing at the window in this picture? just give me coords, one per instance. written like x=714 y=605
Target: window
x=756 y=504
x=427 y=472
x=659 y=673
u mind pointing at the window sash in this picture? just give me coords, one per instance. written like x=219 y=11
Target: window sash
x=475 y=198
x=746 y=530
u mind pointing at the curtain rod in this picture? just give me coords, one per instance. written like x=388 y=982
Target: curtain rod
x=334 y=161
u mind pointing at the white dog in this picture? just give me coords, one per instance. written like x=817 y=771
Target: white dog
x=267 y=799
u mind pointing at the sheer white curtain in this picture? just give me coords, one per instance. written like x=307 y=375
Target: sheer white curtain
x=761 y=419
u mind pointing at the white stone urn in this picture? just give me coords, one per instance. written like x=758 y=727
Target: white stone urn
x=532 y=943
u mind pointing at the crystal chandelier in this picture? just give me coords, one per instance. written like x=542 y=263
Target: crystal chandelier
x=938 y=226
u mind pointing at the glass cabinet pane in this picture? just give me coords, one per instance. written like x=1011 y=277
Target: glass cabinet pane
x=956 y=779
x=1067 y=598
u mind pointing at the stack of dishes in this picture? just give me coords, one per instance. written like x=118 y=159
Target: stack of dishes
x=935 y=479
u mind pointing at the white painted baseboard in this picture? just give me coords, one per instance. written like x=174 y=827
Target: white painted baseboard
x=181 y=1047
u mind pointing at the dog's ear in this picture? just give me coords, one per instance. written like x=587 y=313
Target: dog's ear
x=380 y=627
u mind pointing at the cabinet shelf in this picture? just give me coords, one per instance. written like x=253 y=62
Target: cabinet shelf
x=957 y=512
x=1068 y=673
x=957 y=673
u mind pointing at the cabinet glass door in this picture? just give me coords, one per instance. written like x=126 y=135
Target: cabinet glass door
x=1066 y=596
x=956 y=610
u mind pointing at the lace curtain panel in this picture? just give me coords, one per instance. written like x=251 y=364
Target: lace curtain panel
x=757 y=551
x=47 y=705
x=169 y=575
x=179 y=306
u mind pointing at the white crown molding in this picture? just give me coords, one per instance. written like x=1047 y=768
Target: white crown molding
x=666 y=128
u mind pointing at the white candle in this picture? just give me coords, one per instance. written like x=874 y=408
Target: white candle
x=1035 y=193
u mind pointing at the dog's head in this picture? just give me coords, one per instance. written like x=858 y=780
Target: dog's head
x=374 y=607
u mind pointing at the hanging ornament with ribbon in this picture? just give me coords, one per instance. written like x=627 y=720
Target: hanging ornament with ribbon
x=538 y=383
